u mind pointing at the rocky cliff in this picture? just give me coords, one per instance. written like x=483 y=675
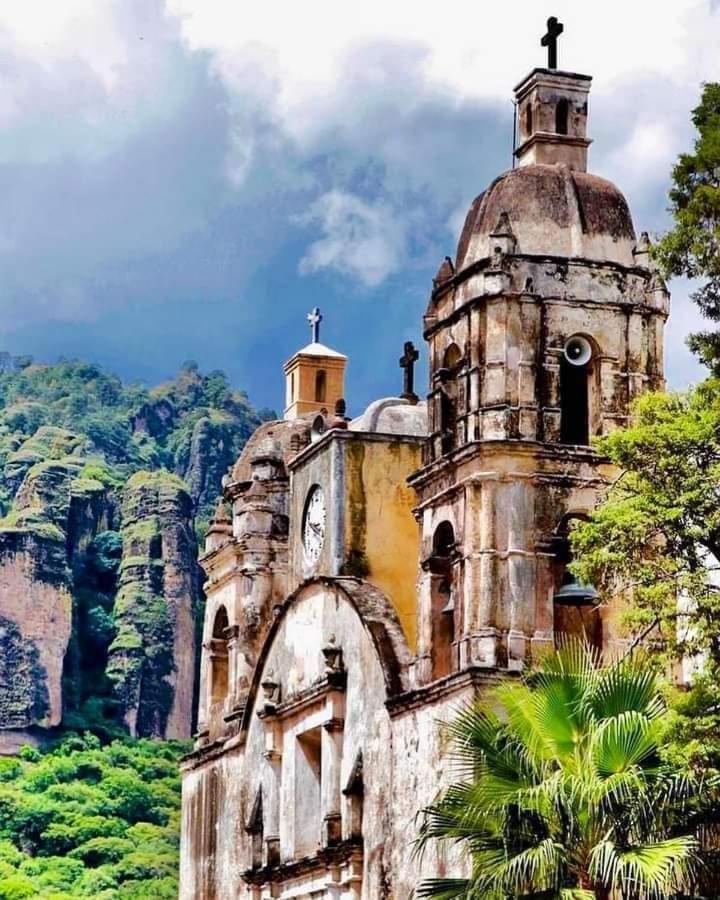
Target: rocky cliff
x=102 y=487
x=150 y=660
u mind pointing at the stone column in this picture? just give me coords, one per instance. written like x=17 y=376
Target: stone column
x=422 y=666
x=204 y=695
x=233 y=633
x=331 y=756
x=271 y=823
x=480 y=589
x=521 y=569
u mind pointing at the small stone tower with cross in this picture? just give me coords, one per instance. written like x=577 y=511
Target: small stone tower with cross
x=546 y=327
x=314 y=376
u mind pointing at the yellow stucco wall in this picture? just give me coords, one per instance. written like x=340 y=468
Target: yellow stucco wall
x=300 y=375
x=381 y=533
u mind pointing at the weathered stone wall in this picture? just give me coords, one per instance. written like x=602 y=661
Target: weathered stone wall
x=405 y=762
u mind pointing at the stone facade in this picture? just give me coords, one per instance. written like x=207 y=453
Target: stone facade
x=365 y=578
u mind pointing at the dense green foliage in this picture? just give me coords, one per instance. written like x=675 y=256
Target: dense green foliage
x=564 y=793
x=88 y=821
x=86 y=463
x=692 y=247
x=75 y=409
x=657 y=534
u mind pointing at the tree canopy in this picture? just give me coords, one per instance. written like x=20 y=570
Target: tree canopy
x=692 y=246
x=83 y=820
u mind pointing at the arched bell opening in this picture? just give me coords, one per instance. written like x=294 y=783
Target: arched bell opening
x=441 y=565
x=452 y=359
x=219 y=658
x=576 y=609
x=579 y=390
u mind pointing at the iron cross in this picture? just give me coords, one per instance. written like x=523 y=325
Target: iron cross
x=549 y=40
x=407 y=363
x=315 y=318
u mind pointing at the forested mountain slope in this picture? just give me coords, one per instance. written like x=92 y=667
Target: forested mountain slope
x=104 y=490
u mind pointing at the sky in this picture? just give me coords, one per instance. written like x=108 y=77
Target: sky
x=186 y=179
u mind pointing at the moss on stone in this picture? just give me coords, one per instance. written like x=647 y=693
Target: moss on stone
x=83 y=487
x=157 y=479
x=31 y=521
x=143 y=530
x=130 y=561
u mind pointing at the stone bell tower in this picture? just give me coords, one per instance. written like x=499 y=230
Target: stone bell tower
x=314 y=376
x=541 y=333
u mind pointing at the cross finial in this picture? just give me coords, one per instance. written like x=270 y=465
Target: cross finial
x=407 y=363
x=549 y=40
x=315 y=318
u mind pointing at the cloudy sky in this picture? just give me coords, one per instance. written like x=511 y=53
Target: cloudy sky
x=185 y=179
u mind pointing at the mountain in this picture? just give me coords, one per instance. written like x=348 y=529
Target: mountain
x=105 y=489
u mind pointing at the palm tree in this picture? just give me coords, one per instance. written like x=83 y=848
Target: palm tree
x=564 y=794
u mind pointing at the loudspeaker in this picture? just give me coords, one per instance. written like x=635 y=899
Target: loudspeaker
x=577 y=350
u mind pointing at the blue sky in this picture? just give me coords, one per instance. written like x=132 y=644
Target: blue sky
x=186 y=179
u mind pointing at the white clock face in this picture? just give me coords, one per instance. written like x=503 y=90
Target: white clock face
x=313 y=530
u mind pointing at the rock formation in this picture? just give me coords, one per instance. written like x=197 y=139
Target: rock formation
x=151 y=660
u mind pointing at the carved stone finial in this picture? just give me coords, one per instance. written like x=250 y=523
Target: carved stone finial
x=333 y=657
x=502 y=240
x=503 y=227
x=445 y=272
x=644 y=244
x=271 y=690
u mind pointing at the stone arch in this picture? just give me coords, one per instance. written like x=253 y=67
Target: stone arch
x=442 y=598
x=451 y=356
x=377 y=616
x=219 y=671
x=320 y=386
x=580 y=397
x=582 y=618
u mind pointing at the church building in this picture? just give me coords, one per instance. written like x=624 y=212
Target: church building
x=367 y=576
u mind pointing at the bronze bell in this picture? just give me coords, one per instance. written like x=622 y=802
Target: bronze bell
x=574 y=593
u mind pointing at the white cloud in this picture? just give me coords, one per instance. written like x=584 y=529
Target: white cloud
x=471 y=49
x=366 y=241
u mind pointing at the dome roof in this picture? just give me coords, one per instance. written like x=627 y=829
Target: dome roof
x=272 y=440
x=553 y=211
x=393 y=415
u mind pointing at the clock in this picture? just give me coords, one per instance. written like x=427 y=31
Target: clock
x=313 y=526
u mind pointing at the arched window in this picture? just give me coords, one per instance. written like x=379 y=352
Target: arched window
x=444 y=540
x=452 y=356
x=574 y=403
x=219 y=658
x=443 y=599
x=320 y=386
x=561 y=117
x=528 y=119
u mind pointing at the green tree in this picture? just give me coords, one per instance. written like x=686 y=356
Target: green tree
x=563 y=792
x=655 y=539
x=692 y=247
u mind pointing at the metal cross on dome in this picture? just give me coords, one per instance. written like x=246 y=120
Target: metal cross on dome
x=315 y=318
x=549 y=40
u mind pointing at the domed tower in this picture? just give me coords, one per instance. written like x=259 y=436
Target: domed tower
x=541 y=333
